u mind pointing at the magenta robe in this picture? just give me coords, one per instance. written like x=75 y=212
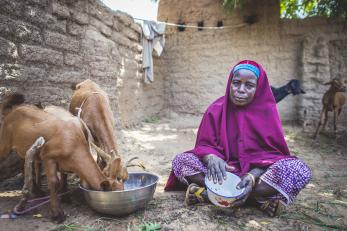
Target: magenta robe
x=245 y=137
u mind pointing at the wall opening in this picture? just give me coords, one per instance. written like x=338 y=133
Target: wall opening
x=200 y=25
x=181 y=27
x=220 y=23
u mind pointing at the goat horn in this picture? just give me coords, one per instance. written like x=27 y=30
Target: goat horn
x=103 y=154
x=137 y=165
x=141 y=165
x=130 y=160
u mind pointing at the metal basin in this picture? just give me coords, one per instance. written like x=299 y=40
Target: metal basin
x=138 y=191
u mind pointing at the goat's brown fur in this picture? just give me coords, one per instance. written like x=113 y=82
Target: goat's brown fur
x=66 y=148
x=333 y=100
x=97 y=114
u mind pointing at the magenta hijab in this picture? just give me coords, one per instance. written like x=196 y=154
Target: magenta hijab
x=244 y=136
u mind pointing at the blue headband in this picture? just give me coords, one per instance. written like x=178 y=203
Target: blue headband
x=250 y=67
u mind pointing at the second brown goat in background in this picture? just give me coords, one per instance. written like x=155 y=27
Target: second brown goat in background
x=333 y=100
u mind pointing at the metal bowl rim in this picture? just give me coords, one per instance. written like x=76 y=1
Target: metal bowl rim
x=128 y=190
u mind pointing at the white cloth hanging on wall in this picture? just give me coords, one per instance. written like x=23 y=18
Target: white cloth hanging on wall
x=153 y=39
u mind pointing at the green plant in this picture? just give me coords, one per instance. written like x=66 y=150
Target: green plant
x=300 y=8
x=149 y=227
x=308 y=8
x=235 y=4
x=146 y=226
x=152 y=119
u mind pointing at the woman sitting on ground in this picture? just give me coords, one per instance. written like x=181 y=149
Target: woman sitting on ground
x=241 y=133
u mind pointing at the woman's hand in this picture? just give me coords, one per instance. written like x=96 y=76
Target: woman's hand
x=216 y=168
x=247 y=182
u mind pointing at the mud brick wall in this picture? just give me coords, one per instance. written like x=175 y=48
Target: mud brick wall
x=46 y=45
x=198 y=61
x=324 y=57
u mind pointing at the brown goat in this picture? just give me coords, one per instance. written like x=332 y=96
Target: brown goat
x=91 y=104
x=114 y=169
x=66 y=148
x=333 y=100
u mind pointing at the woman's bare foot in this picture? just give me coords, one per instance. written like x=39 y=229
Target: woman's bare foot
x=195 y=194
x=273 y=207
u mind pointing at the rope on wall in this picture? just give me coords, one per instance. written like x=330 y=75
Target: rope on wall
x=198 y=27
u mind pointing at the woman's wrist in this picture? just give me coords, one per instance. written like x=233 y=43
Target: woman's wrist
x=206 y=158
x=252 y=177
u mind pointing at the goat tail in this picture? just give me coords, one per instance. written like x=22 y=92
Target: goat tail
x=28 y=163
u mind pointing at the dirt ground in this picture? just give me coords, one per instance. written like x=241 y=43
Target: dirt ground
x=322 y=205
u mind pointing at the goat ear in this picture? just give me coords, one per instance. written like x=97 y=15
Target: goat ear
x=10 y=100
x=115 y=167
x=39 y=105
x=73 y=86
x=328 y=83
x=125 y=174
x=105 y=185
x=78 y=86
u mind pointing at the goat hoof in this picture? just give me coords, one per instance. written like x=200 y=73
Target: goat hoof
x=58 y=217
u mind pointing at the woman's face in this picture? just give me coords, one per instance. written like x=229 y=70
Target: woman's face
x=243 y=87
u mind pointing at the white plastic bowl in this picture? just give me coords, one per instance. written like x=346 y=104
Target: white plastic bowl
x=224 y=194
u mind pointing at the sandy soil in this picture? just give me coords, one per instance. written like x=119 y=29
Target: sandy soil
x=322 y=205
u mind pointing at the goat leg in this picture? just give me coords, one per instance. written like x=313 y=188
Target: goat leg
x=322 y=118
x=64 y=187
x=37 y=191
x=335 y=121
x=51 y=168
x=325 y=119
